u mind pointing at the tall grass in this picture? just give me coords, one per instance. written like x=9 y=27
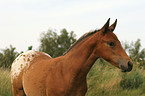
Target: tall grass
x=5 y=83
x=103 y=80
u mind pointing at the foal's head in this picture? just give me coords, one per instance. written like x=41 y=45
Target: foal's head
x=110 y=49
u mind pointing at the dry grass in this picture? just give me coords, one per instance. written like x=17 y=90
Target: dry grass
x=5 y=83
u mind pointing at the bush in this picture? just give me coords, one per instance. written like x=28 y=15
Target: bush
x=132 y=80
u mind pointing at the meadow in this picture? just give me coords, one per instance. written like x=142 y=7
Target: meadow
x=103 y=80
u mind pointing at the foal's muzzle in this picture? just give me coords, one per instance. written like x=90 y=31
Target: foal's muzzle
x=127 y=69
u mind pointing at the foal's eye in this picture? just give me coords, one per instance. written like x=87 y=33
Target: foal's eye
x=111 y=43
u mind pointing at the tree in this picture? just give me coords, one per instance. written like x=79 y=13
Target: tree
x=30 y=47
x=135 y=52
x=7 y=57
x=55 y=45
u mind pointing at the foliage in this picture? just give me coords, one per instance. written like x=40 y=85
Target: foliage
x=135 y=52
x=7 y=56
x=55 y=45
x=30 y=47
x=132 y=80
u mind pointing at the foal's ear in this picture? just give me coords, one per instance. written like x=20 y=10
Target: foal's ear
x=105 y=27
x=112 y=27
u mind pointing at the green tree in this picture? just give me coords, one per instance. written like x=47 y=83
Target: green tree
x=7 y=57
x=55 y=45
x=30 y=47
x=135 y=52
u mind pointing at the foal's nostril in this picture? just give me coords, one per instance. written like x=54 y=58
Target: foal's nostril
x=130 y=65
x=127 y=68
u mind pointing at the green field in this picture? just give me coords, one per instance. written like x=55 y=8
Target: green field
x=103 y=80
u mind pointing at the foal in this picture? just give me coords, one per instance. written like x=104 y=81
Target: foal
x=37 y=74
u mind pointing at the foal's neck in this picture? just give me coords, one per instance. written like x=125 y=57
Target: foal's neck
x=82 y=56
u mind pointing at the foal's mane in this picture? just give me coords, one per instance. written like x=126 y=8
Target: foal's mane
x=81 y=38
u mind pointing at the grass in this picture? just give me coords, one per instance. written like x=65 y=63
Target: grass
x=5 y=83
x=103 y=80
x=106 y=81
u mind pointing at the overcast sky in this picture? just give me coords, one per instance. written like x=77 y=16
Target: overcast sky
x=22 y=21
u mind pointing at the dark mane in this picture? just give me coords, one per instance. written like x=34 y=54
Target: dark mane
x=80 y=39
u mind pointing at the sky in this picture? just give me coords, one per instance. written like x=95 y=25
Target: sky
x=23 y=21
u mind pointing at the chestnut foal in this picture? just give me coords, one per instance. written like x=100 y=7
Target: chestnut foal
x=37 y=74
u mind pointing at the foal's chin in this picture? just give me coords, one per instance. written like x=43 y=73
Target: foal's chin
x=125 y=71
